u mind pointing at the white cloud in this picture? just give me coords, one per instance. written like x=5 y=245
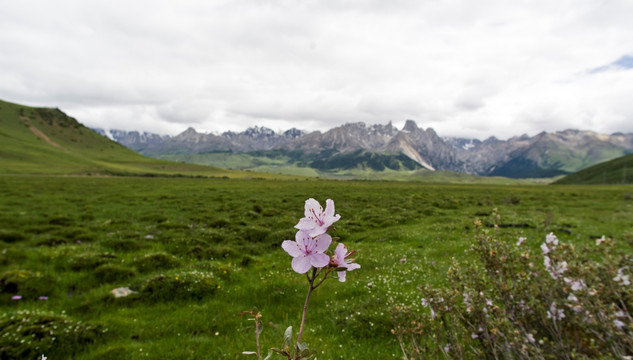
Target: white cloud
x=464 y=68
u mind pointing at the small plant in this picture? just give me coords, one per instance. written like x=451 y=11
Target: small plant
x=309 y=257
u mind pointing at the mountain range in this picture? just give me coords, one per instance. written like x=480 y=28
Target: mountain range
x=381 y=147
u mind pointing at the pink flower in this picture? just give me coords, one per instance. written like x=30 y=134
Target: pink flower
x=16 y=297
x=340 y=260
x=317 y=221
x=307 y=251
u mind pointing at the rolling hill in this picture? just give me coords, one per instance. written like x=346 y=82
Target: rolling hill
x=47 y=141
x=616 y=171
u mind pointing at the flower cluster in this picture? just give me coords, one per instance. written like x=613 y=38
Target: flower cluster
x=312 y=241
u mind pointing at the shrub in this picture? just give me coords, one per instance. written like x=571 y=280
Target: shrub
x=188 y=246
x=11 y=236
x=514 y=303
x=119 y=244
x=51 y=240
x=112 y=273
x=87 y=261
x=220 y=252
x=27 y=284
x=60 y=220
x=255 y=234
x=156 y=261
x=28 y=334
x=183 y=286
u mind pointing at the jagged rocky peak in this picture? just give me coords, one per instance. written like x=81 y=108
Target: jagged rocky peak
x=257 y=131
x=379 y=129
x=189 y=131
x=293 y=133
x=410 y=126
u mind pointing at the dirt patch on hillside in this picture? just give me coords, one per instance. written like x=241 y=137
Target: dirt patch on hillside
x=37 y=132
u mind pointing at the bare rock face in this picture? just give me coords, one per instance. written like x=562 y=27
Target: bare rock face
x=545 y=154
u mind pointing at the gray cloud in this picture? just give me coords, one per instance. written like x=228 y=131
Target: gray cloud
x=465 y=68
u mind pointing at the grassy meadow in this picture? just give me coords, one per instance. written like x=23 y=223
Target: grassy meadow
x=198 y=251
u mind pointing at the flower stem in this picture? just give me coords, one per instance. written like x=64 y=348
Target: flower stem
x=305 y=305
x=259 y=356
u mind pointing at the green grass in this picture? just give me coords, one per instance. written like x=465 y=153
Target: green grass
x=198 y=251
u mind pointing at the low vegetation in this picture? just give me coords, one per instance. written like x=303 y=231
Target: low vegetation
x=191 y=254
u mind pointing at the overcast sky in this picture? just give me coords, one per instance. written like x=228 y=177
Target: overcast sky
x=471 y=68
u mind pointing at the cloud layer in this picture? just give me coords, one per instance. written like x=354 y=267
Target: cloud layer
x=464 y=68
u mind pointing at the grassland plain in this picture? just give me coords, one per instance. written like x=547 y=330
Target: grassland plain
x=199 y=251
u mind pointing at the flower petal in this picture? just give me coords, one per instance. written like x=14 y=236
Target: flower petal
x=322 y=242
x=329 y=208
x=341 y=276
x=339 y=254
x=351 y=267
x=305 y=224
x=304 y=241
x=319 y=260
x=301 y=264
x=318 y=230
x=312 y=208
x=292 y=248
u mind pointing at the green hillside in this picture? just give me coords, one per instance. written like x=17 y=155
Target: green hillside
x=616 y=171
x=47 y=141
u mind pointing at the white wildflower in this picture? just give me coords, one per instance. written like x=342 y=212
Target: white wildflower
x=554 y=313
x=576 y=284
x=545 y=249
x=621 y=278
x=551 y=239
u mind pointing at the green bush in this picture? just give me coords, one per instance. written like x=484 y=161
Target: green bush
x=112 y=273
x=516 y=303
x=87 y=261
x=29 y=285
x=11 y=236
x=29 y=334
x=183 y=286
x=156 y=261
x=118 y=244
